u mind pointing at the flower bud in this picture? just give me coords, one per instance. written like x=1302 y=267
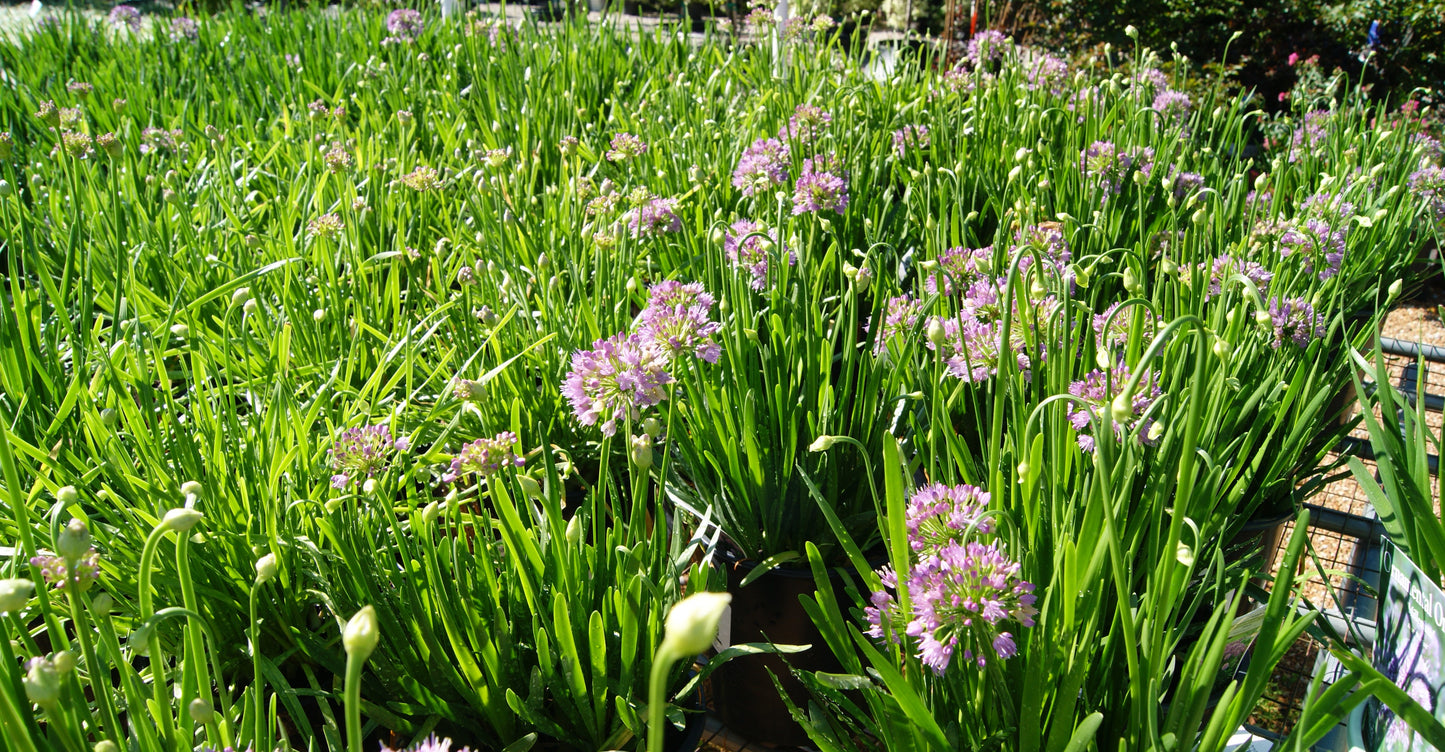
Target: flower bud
x=201 y=711
x=692 y=625
x=181 y=520
x=1103 y=359
x=181 y=330
x=822 y=443
x=41 y=682
x=73 y=541
x=361 y=634
x=64 y=662
x=240 y=296
x=369 y=487
x=1221 y=349
x=191 y=488
x=642 y=451
x=102 y=605
x=250 y=307
x=1155 y=431
x=574 y=530
x=108 y=416
x=430 y=512
x=6 y=189
x=15 y=595
x=1395 y=288
x=1122 y=408
x=936 y=333
x=67 y=495
x=265 y=569
x=106 y=745
x=652 y=427
x=1262 y=318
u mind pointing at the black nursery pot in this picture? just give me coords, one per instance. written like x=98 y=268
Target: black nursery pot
x=767 y=610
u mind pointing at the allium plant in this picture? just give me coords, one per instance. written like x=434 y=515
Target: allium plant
x=677 y=322
x=484 y=457
x=1099 y=404
x=614 y=381
x=363 y=452
x=762 y=167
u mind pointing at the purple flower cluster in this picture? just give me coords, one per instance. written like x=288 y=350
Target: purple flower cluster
x=1044 y=241
x=963 y=591
x=1048 y=73
x=653 y=218
x=820 y=191
x=405 y=24
x=763 y=166
x=1175 y=106
x=1223 y=268
x=899 y=317
x=614 y=380
x=987 y=47
x=806 y=125
x=155 y=140
x=676 y=322
x=625 y=146
x=972 y=349
x=957 y=268
x=363 y=452
x=1111 y=328
x=1311 y=237
x=1295 y=320
x=1186 y=184
x=752 y=253
x=484 y=457
x=1428 y=183
x=60 y=573
x=1108 y=165
x=125 y=15
x=430 y=744
x=185 y=28
x=910 y=137
x=1097 y=393
x=938 y=515
x=1310 y=136
x=1152 y=79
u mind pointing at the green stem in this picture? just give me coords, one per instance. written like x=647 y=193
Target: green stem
x=656 y=705
x=101 y=692
x=159 y=683
x=353 y=703
x=257 y=684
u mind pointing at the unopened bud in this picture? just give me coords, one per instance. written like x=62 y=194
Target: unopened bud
x=1122 y=408
x=692 y=625
x=361 y=634
x=1221 y=349
x=642 y=451
x=73 y=543
x=652 y=427
x=822 y=443
x=41 y=682
x=265 y=569
x=574 y=530
x=240 y=296
x=15 y=594
x=191 y=488
x=181 y=520
x=67 y=495
x=201 y=711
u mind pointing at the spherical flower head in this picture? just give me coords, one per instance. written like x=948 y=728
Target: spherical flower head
x=962 y=595
x=422 y=179
x=325 y=226
x=1175 y=106
x=15 y=595
x=1111 y=328
x=1428 y=185
x=495 y=158
x=975 y=348
x=405 y=23
x=484 y=457
x=158 y=140
x=1227 y=267
x=910 y=137
x=184 y=28
x=1151 y=78
x=1186 y=184
x=1311 y=136
x=1294 y=320
x=1097 y=393
x=80 y=89
x=48 y=114
x=124 y=16
x=1048 y=73
x=825 y=162
x=361 y=453
x=819 y=191
x=987 y=47
x=899 y=317
x=432 y=743
x=1312 y=239
x=337 y=158
x=614 y=380
x=109 y=144
x=938 y=514
x=754 y=253
x=806 y=125
x=675 y=321
x=958 y=268
x=1107 y=165
x=759 y=20
x=77 y=145
x=625 y=146
x=1045 y=242
x=762 y=167
x=654 y=218
x=79 y=572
